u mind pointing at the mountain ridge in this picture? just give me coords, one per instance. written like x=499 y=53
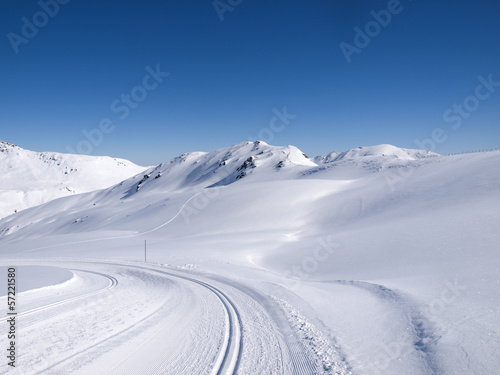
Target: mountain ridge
x=194 y=173
x=30 y=178
x=230 y=164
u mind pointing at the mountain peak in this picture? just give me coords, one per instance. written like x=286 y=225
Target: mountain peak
x=30 y=178
x=6 y=147
x=222 y=167
x=382 y=150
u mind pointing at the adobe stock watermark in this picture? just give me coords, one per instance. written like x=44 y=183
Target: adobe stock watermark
x=395 y=175
x=398 y=349
x=44 y=358
x=363 y=37
x=201 y=201
x=30 y=26
x=223 y=6
x=122 y=107
x=304 y=270
x=277 y=124
x=460 y=111
x=455 y=115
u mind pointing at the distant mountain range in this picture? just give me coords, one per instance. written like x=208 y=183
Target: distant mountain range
x=31 y=178
x=34 y=178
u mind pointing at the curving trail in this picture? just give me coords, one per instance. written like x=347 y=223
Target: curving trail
x=422 y=336
x=126 y=318
x=113 y=282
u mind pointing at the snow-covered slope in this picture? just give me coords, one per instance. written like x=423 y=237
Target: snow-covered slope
x=383 y=261
x=246 y=160
x=388 y=151
x=32 y=178
x=254 y=163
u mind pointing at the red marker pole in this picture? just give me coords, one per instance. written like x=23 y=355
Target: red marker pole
x=144 y=251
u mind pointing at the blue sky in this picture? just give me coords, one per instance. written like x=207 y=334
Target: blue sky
x=83 y=70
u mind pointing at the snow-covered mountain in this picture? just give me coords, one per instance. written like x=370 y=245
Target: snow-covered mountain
x=254 y=163
x=31 y=178
x=246 y=160
x=377 y=260
x=388 y=151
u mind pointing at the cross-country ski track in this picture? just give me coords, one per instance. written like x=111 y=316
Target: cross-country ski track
x=131 y=318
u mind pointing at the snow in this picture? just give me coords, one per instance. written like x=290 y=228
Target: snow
x=32 y=178
x=374 y=260
x=36 y=277
x=379 y=150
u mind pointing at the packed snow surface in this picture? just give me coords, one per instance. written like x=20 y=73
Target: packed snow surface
x=261 y=260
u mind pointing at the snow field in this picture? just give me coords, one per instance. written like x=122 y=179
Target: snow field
x=363 y=264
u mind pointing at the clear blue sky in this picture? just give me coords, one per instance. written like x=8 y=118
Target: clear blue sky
x=226 y=78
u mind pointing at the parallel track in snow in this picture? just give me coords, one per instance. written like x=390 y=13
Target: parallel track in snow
x=113 y=282
x=238 y=309
x=230 y=354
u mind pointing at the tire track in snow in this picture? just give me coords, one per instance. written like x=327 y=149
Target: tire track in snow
x=424 y=335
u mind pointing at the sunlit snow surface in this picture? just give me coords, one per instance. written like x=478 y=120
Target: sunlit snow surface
x=31 y=178
x=260 y=260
